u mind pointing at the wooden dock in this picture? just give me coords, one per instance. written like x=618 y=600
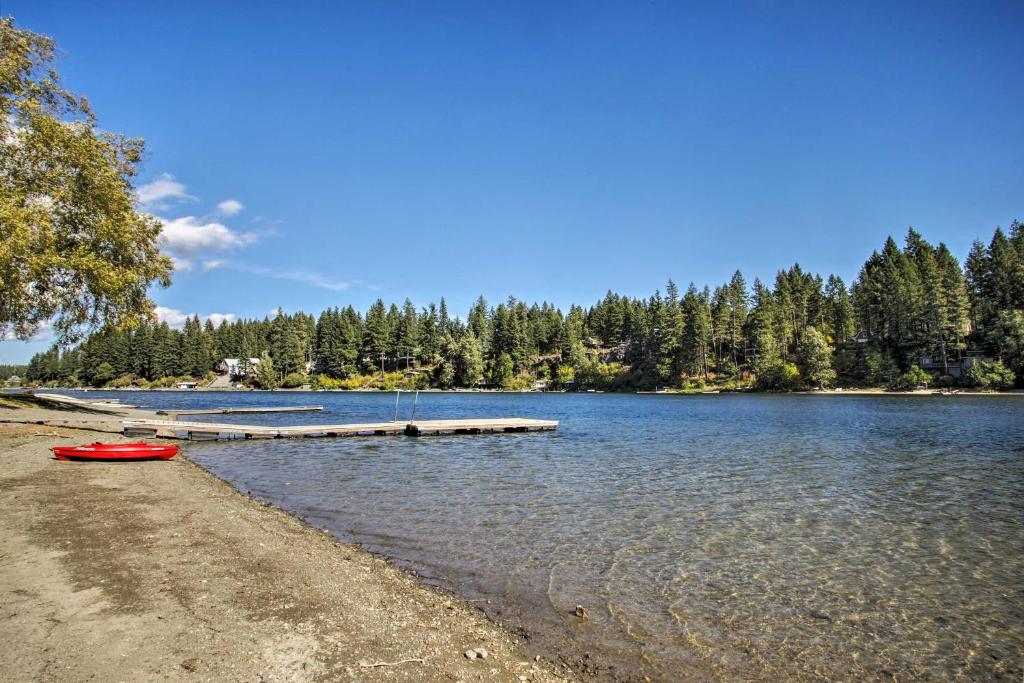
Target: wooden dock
x=100 y=405
x=204 y=431
x=225 y=411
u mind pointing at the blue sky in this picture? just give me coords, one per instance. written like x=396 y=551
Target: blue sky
x=547 y=150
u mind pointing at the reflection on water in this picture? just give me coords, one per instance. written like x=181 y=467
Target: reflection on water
x=717 y=537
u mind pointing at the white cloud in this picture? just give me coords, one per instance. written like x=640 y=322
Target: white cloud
x=218 y=318
x=229 y=207
x=171 y=316
x=181 y=265
x=176 y=318
x=190 y=241
x=187 y=237
x=160 y=192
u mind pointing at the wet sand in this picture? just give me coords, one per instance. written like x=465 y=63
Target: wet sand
x=138 y=571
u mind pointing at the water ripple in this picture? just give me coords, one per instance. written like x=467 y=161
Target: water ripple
x=723 y=537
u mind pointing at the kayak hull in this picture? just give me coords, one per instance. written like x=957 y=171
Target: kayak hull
x=115 y=452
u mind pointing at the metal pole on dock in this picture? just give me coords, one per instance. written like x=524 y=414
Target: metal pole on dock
x=415 y=398
x=398 y=393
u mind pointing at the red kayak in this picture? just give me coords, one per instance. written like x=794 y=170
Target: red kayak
x=115 y=451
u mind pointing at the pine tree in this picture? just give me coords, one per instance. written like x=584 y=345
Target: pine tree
x=814 y=358
x=478 y=322
x=995 y=280
x=141 y=348
x=288 y=344
x=443 y=321
x=376 y=337
x=1006 y=286
x=195 y=349
x=335 y=355
x=167 y=352
x=696 y=338
x=469 y=363
x=502 y=372
x=737 y=298
x=977 y=271
x=840 y=315
x=394 y=319
x=672 y=362
x=429 y=335
x=954 y=300
x=930 y=309
x=266 y=374
x=408 y=332
x=765 y=337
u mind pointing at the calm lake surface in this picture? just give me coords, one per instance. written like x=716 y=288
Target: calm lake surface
x=708 y=537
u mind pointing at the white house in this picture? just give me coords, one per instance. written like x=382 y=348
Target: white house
x=238 y=367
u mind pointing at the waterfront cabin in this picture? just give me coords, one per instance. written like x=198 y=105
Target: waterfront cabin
x=955 y=366
x=235 y=368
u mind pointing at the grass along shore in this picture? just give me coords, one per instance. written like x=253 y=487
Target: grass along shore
x=135 y=571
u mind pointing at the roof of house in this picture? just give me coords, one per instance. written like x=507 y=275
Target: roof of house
x=232 y=363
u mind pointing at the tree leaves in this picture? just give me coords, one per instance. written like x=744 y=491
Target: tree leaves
x=74 y=250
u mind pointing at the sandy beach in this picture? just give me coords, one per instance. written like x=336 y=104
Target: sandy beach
x=139 y=571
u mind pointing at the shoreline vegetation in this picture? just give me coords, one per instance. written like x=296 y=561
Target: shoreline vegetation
x=857 y=391
x=161 y=569
x=914 y=318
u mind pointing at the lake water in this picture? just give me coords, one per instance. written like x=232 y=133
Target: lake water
x=708 y=537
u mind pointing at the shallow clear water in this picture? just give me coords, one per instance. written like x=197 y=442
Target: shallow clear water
x=718 y=537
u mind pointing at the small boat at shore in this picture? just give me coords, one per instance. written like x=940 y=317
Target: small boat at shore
x=115 y=451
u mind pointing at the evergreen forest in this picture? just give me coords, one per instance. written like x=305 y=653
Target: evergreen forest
x=915 y=316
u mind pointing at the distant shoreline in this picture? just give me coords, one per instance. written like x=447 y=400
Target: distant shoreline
x=821 y=392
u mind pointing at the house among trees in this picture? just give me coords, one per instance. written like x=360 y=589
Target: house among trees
x=238 y=367
x=949 y=366
x=955 y=367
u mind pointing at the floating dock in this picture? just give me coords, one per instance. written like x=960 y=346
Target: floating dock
x=205 y=431
x=226 y=411
x=103 y=405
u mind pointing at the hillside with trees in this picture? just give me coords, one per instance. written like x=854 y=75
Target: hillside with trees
x=913 y=316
